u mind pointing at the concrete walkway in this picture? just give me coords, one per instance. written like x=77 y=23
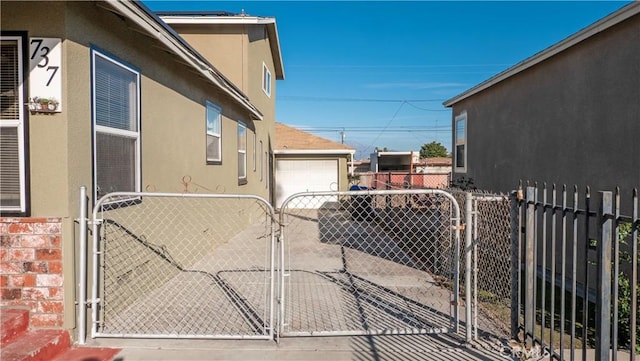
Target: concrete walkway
x=355 y=348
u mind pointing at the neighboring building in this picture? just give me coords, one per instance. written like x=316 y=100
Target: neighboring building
x=569 y=114
x=393 y=161
x=436 y=171
x=137 y=109
x=308 y=163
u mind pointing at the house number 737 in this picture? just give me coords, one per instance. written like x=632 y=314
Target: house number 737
x=43 y=51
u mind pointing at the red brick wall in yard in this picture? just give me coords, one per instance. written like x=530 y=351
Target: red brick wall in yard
x=31 y=268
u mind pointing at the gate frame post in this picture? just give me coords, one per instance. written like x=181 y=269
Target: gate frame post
x=530 y=267
x=515 y=263
x=468 y=235
x=82 y=281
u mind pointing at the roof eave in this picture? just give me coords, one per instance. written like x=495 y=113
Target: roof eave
x=616 y=17
x=156 y=28
x=314 y=151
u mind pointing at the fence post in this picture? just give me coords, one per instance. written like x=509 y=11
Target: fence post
x=515 y=265
x=529 y=268
x=603 y=304
x=468 y=220
x=82 y=282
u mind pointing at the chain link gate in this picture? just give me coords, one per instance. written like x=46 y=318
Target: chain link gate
x=182 y=266
x=369 y=262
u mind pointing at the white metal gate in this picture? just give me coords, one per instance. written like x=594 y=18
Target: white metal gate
x=369 y=262
x=182 y=266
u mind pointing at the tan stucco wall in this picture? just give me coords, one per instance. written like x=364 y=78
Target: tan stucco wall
x=173 y=120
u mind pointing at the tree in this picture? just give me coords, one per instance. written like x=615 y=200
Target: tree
x=432 y=150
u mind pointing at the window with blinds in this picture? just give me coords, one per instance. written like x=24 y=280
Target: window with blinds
x=12 y=159
x=214 y=133
x=116 y=98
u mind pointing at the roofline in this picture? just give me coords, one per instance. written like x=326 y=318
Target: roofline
x=156 y=28
x=612 y=19
x=205 y=18
x=315 y=151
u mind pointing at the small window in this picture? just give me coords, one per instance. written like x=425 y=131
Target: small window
x=242 y=152
x=266 y=80
x=261 y=163
x=255 y=143
x=116 y=120
x=461 y=143
x=214 y=133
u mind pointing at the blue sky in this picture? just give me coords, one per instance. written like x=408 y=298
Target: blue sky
x=379 y=71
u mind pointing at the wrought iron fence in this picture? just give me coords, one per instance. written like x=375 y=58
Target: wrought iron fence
x=576 y=272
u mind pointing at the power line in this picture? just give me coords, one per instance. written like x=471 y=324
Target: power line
x=328 y=99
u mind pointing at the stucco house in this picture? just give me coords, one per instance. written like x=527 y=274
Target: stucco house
x=307 y=163
x=138 y=106
x=568 y=114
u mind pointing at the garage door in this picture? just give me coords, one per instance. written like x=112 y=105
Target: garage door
x=294 y=176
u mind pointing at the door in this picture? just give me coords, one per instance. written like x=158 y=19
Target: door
x=301 y=175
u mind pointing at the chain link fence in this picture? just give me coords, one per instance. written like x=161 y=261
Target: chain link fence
x=183 y=266
x=491 y=260
x=370 y=262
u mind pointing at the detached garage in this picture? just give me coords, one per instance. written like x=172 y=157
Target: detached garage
x=308 y=163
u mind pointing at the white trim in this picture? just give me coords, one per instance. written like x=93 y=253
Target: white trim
x=266 y=83
x=315 y=151
x=241 y=125
x=597 y=27
x=19 y=124
x=210 y=104
x=461 y=116
x=115 y=131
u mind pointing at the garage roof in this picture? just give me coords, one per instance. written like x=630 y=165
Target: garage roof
x=290 y=140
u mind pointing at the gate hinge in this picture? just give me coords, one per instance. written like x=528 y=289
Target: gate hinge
x=95 y=222
x=460 y=227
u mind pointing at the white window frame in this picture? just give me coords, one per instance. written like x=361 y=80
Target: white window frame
x=460 y=140
x=255 y=144
x=242 y=152
x=266 y=80
x=115 y=131
x=210 y=106
x=19 y=124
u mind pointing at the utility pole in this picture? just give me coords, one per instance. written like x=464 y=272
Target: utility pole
x=342 y=136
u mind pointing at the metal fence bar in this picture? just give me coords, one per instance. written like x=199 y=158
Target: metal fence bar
x=554 y=220
x=585 y=295
x=468 y=245
x=563 y=267
x=574 y=272
x=544 y=262
x=635 y=237
x=603 y=305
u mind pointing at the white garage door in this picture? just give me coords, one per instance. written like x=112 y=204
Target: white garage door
x=294 y=176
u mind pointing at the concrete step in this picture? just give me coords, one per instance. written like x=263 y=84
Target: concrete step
x=36 y=345
x=13 y=323
x=88 y=353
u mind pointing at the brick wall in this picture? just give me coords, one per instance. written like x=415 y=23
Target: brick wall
x=31 y=268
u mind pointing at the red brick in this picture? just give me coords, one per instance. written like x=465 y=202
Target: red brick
x=37 y=267
x=10 y=293
x=46 y=228
x=32 y=305
x=55 y=241
x=10 y=267
x=55 y=267
x=20 y=228
x=4 y=254
x=55 y=293
x=4 y=280
x=49 y=280
x=35 y=293
x=51 y=306
x=23 y=280
x=4 y=227
x=46 y=320
x=8 y=241
x=35 y=241
x=22 y=254
x=49 y=254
